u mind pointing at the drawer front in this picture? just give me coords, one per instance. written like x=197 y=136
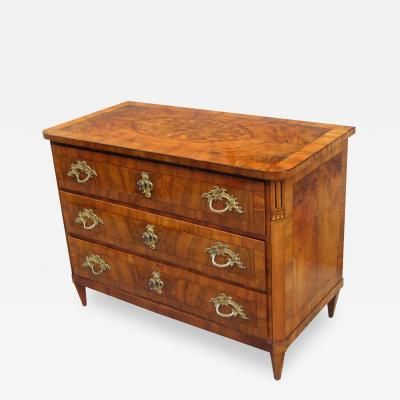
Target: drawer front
x=222 y=200
x=228 y=305
x=210 y=251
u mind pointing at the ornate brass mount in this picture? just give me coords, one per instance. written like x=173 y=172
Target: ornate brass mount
x=155 y=283
x=95 y=260
x=150 y=238
x=145 y=185
x=220 y=194
x=221 y=249
x=81 y=167
x=223 y=300
x=88 y=215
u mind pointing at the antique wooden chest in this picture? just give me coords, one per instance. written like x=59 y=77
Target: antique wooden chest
x=229 y=222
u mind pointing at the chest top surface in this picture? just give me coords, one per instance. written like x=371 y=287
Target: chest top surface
x=246 y=145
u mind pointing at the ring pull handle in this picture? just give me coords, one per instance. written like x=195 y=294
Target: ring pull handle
x=155 y=283
x=221 y=249
x=81 y=167
x=145 y=185
x=96 y=264
x=222 y=300
x=220 y=194
x=149 y=237
x=88 y=215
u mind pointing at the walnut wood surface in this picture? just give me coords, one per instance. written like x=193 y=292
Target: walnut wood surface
x=277 y=357
x=176 y=190
x=317 y=217
x=81 y=293
x=322 y=304
x=290 y=236
x=252 y=146
x=183 y=290
x=179 y=243
x=307 y=245
x=332 y=306
x=174 y=313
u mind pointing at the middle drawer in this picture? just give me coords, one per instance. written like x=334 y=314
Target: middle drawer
x=210 y=251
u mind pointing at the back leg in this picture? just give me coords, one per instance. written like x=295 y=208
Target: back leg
x=332 y=306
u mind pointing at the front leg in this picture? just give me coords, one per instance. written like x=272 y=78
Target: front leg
x=81 y=292
x=277 y=357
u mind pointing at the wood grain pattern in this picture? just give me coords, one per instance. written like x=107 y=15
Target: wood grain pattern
x=174 y=313
x=317 y=218
x=180 y=243
x=81 y=293
x=177 y=191
x=332 y=306
x=183 y=290
x=289 y=177
x=303 y=325
x=244 y=145
x=277 y=357
x=307 y=246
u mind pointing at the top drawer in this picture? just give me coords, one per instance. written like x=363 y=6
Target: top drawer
x=222 y=200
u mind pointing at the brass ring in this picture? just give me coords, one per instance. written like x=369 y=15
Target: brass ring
x=227 y=264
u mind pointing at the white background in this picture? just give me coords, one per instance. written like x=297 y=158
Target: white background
x=322 y=61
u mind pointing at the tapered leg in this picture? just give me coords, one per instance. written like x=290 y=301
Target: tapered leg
x=82 y=293
x=277 y=357
x=332 y=306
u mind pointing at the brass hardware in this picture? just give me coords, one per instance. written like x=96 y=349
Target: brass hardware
x=155 y=283
x=150 y=238
x=145 y=185
x=92 y=261
x=81 y=167
x=220 y=194
x=223 y=300
x=88 y=215
x=221 y=249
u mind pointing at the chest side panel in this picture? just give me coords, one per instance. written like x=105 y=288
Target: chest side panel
x=318 y=219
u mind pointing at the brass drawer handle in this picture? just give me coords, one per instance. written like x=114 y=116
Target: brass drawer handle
x=223 y=300
x=145 y=185
x=81 y=167
x=94 y=260
x=220 y=194
x=155 y=283
x=150 y=238
x=221 y=249
x=88 y=215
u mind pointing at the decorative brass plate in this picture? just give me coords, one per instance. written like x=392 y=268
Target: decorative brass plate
x=145 y=185
x=88 y=215
x=223 y=300
x=221 y=249
x=81 y=167
x=150 y=238
x=155 y=283
x=92 y=261
x=220 y=194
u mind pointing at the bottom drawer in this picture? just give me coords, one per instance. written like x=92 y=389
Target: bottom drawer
x=237 y=308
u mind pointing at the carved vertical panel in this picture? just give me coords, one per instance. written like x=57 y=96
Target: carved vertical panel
x=277 y=200
x=280 y=204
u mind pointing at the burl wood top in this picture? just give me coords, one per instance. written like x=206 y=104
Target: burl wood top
x=245 y=145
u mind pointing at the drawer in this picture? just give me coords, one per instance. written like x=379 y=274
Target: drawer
x=228 y=305
x=210 y=251
x=221 y=200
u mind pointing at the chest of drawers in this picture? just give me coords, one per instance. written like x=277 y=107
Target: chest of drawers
x=229 y=222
